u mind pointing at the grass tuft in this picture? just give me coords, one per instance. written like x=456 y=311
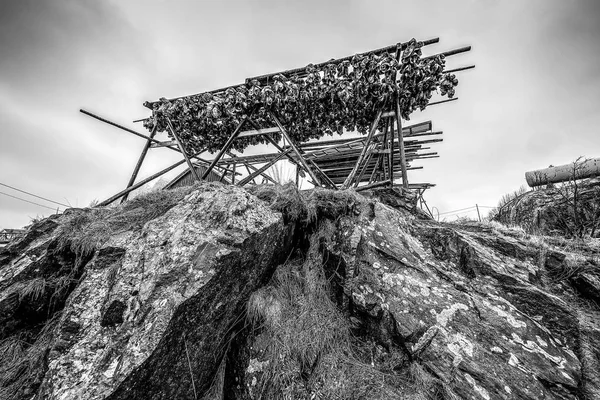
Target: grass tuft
x=88 y=230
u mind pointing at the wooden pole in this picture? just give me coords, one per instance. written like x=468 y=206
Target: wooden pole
x=250 y=167
x=295 y=149
x=478 y=215
x=225 y=147
x=401 y=144
x=233 y=174
x=325 y=177
x=350 y=177
x=262 y=169
x=153 y=140
x=141 y=183
x=185 y=156
x=362 y=172
x=140 y=161
x=391 y=155
x=372 y=185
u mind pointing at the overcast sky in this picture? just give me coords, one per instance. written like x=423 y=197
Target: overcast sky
x=533 y=99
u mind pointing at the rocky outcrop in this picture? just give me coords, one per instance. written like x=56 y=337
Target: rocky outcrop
x=569 y=209
x=231 y=293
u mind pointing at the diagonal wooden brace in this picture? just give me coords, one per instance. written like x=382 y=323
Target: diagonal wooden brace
x=180 y=145
x=140 y=161
x=363 y=153
x=295 y=150
x=263 y=168
x=225 y=147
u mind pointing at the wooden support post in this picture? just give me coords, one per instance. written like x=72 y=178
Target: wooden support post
x=140 y=161
x=295 y=149
x=362 y=172
x=249 y=174
x=391 y=159
x=141 y=183
x=384 y=142
x=233 y=174
x=262 y=169
x=298 y=175
x=374 y=173
x=401 y=144
x=182 y=149
x=350 y=177
x=225 y=147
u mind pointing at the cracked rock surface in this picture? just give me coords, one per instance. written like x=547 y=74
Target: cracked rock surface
x=158 y=312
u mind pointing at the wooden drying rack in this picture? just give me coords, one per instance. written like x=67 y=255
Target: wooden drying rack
x=373 y=161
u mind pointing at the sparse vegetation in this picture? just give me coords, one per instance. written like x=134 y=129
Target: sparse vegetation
x=309 y=206
x=86 y=231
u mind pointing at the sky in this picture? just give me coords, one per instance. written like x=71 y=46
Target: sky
x=532 y=100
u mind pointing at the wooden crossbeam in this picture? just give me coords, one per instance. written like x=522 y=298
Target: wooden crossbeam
x=263 y=168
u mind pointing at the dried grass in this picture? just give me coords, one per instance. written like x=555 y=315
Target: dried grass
x=311 y=353
x=86 y=231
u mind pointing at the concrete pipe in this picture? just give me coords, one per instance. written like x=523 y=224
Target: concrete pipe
x=562 y=173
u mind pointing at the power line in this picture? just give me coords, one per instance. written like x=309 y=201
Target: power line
x=18 y=198
x=34 y=195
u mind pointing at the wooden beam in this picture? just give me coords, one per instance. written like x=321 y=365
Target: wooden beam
x=226 y=146
x=295 y=149
x=367 y=162
x=401 y=144
x=249 y=167
x=182 y=149
x=324 y=175
x=164 y=144
x=258 y=131
x=262 y=169
x=391 y=154
x=350 y=178
x=459 y=69
x=141 y=183
x=138 y=165
x=153 y=140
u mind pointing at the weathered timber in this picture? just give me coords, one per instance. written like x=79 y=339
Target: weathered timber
x=262 y=169
x=459 y=69
x=401 y=145
x=153 y=140
x=563 y=173
x=142 y=182
x=249 y=167
x=225 y=147
x=350 y=178
x=182 y=149
x=138 y=165
x=258 y=131
x=391 y=153
x=367 y=163
x=295 y=149
x=324 y=175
